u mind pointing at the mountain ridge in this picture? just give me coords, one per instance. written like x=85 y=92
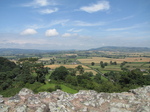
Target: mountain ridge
x=11 y=51
x=121 y=49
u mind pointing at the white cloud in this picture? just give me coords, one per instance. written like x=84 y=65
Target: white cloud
x=28 y=32
x=42 y=2
x=57 y=22
x=39 y=3
x=124 y=28
x=74 y=30
x=66 y=35
x=51 y=33
x=102 y=5
x=47 y=25
x=81 y=23
x=69 y=35
x=48 y=11
x=125 y=18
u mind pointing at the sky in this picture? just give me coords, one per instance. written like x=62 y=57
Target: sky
x=74 y=24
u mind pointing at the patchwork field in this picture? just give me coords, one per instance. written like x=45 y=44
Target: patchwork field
x=45 y=59
x=98 y=59
x=87 y=69
x=67 y=66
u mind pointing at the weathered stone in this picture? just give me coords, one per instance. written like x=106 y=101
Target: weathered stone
x=25 y=91
x=42 y=108
x=137 y=100
x=1 y=99
x=32 y=100
x=14 y=99
x=4 y=108
x=85 y=109
x=22 y=108
x=44 y=95
x=115 y=109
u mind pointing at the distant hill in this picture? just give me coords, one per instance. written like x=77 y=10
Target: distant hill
x=11 y=51
x=14 y=51
x=122 y=49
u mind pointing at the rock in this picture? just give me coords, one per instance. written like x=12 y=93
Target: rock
x=1 y=99
x=42 y=108
x=32 y=100
x=85 y=109
x=136 y=100
x=14 y=99
x=144 y=109
x=44 y=95
x=22 y=108
x=25 y=91
x=4 y=108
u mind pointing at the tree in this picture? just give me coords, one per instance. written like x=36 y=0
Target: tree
x=102 y=65
x=97 y=78
x=71 y=80
x=111 y=62
x=80 y=69
x=72 y=71
x=60 y=73
x=4 y=86
x=101 y=62
x=133 y=77
x=89 y=74
x=6 y=65
x=105 y=64
x=92 y=63
x=115 y=63
x=41 y=73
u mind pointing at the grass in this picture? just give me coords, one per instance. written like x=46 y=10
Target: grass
x=64 y=88
x=68 y=89
x=10 y=92
x=112 y=68
x=103 y=78
x=46 y=58
x=108 y=68
x=94 y=72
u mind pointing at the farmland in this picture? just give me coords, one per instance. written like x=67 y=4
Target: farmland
x=72 y=71
x=86 y=68
x=131 y=63
x=67 y=66
x=71 y=59
x=104 y=59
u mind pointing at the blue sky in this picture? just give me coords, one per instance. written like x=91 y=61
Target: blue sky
x=78 y=24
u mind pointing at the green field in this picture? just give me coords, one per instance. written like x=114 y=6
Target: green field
x=48 y=86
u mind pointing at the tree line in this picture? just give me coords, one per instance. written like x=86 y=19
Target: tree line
x=115 y=82
x=18 y=74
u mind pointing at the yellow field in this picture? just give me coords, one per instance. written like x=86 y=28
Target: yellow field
x=67 y=66
x=98 y=59
x=71 y=54
x=45 y=59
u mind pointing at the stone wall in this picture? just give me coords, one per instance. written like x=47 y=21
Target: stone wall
x=136 y=100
